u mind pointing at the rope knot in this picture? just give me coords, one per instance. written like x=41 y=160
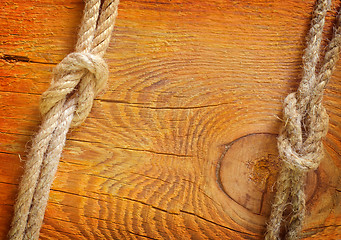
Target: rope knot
x=80 y=74
x=300 y=140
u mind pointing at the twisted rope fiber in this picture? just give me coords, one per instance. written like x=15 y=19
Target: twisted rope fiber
x=305 y=125
x=77 y=80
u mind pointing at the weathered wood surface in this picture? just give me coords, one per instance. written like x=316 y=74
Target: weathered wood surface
x=183 y=143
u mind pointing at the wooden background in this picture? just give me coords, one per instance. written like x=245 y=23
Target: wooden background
x=183 y=143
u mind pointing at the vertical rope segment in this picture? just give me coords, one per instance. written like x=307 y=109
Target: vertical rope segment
x=305 y=125
x=77 y=80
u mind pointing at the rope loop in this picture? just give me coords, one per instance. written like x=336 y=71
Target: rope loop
x=82 y=74
x=77 y=80
x=300 y=140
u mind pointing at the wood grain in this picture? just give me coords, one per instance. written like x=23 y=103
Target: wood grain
x=182 y=144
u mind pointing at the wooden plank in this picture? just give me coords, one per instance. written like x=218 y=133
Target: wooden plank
x=194 y=99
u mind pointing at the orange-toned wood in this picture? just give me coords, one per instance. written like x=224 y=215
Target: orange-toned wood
x=183 y=143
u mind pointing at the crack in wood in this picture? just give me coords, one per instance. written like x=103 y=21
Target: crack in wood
x=158 y=209
x=10 y=58
x=14 y=58
x=217 y=224
x=150 y=205
x=141 y=105
x=9 y=183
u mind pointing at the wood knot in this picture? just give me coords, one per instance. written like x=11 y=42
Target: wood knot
x=246 y=174
x=254 y=162
x=262 y=170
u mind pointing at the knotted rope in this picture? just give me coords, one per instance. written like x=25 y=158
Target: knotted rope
x=77 y=79
x=305 y=125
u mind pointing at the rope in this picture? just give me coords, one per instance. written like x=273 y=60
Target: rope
x=77 y=80
x=83 y=74
x=306 y=124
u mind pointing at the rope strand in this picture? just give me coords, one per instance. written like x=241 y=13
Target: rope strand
x=306 y=124
x=48 y=171
x=77 y=79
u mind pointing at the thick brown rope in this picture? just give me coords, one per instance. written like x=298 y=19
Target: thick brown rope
x=305 y=125
x=80 y=77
